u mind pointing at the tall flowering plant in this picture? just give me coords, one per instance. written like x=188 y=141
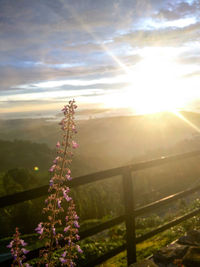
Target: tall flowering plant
x=18 y=251
x=59 y=193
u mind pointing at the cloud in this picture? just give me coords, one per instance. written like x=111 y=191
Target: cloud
x=174 y=10
x=162 y=37
x=45 y=41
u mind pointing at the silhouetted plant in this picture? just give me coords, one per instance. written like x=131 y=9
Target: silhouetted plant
x=58 y=193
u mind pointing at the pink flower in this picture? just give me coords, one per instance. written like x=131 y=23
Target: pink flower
x=65 y=192
x=65 y=109
x=74 y=129
x=74 y=144
x=59 y=202
x=68 y=198
x=52 y=168
x=58 y=144
x=77 y=237
x=56 y=160
x=54 y=231
x=76 y=217
x=79 y=249
x=39 y=229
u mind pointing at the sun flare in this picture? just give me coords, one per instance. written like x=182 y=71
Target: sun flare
x=155 y=85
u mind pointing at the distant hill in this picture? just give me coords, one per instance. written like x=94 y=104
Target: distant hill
x=110 y=142
x=24 y=154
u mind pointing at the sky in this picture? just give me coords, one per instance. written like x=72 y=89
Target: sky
x=138 y=54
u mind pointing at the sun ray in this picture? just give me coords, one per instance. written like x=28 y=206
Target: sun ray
x=179 y=115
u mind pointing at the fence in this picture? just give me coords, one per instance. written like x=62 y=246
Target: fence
x=130 y=212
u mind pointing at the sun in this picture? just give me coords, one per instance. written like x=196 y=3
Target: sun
x=155 y=85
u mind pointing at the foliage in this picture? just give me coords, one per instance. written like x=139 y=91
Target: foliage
x=18 y=179
x=24 y=154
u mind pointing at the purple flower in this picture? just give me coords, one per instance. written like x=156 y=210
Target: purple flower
x=68 y=198
x=62 y=260
x=51 y=182
x=64 y=254
x=25 y=251
x=59 y=202
x=66 y=229
x=23 y=243
x=11 y=244
x=79 y=249
x=76 y=224
x=27 y=265
x=74 y=144
x=39 y=229
x=68 y=177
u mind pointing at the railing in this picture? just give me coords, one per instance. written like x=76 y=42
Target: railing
x=130 y=212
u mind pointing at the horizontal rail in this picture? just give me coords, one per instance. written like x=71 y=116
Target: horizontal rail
x=101 y=227
x=164 y=201
x=94 y=177
x=23 y=196
x=167 y=226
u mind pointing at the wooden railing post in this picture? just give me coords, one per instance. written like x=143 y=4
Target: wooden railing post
x=129 y=216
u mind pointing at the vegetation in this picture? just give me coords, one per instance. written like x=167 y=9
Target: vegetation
x=19 y=157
